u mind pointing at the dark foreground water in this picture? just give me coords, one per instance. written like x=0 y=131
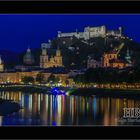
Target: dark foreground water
x=43 y=109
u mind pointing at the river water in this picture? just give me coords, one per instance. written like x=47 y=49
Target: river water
x=44 y=109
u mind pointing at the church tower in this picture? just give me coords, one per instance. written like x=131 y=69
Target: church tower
x=1 y=65
x=58 y=58
x=43 y=58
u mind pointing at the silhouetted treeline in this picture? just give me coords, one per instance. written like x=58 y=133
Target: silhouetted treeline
x=101 y=75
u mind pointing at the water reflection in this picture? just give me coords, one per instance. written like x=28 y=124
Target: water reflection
x=43 y=109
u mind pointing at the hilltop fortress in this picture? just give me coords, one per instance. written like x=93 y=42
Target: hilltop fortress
x=91 y=32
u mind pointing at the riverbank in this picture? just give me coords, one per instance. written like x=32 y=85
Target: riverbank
x=127 y=93
x=104 y=92
x=7 y=107
x=30 y=89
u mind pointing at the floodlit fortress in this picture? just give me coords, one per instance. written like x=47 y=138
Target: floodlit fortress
x=91 y=32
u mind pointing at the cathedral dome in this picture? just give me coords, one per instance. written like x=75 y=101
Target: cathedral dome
x=28 y=57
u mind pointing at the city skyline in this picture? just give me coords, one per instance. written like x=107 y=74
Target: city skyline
x=85 y=70
x=20 y=31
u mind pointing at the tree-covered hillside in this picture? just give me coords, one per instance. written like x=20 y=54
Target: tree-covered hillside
x=75 y=51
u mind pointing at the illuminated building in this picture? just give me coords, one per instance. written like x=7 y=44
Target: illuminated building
x=91 y=32
x=47 y=67
x=16 y=76
x=92 y=63
x=54 y=61
x=110 y=60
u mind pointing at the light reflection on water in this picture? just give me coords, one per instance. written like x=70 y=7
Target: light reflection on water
x=44 y=109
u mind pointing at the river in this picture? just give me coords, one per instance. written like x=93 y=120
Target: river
x=43 y=109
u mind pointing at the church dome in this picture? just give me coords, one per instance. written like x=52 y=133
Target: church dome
x=28 y=57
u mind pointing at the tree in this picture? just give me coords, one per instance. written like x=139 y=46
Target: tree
x=28 y=79
x=52 y=79
x=57 y=79
x=40 y=77
x=67 y=82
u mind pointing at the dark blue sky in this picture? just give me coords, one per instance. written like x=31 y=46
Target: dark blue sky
x=17 y=32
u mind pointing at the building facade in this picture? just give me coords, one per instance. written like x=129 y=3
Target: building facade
x=91 y=32
x=107 y=57
x=92 y=63
x=16 y=77
x=110 y=60
x=54 y=61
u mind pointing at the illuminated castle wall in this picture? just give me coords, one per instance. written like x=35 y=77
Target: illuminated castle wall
x=90 y=32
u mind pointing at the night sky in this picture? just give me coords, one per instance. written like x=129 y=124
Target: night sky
x=17 y=32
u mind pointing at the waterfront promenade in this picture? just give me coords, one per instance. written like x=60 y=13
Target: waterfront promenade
x=87 y=90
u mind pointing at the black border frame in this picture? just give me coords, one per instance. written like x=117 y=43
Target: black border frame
x=21 y=7
x=67 y=6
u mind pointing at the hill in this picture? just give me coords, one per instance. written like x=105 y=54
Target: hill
x=75 y=51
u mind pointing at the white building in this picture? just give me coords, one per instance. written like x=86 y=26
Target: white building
x=90 y=32
x=46 y=45
x=92 y=63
